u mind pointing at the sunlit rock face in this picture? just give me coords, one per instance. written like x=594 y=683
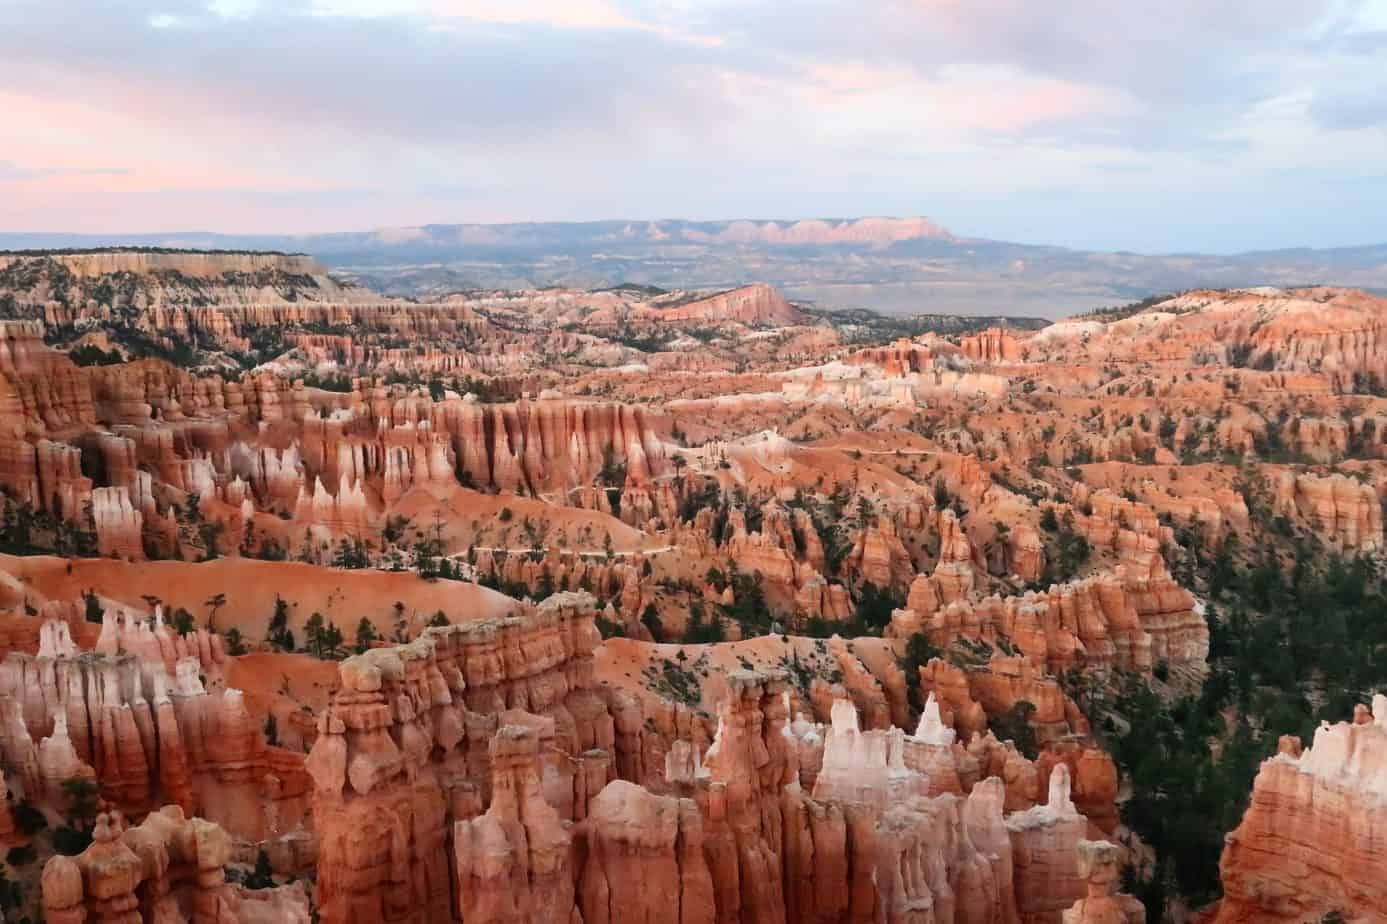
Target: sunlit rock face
x=1312 y=838
x=470 y=731
x=902 y=545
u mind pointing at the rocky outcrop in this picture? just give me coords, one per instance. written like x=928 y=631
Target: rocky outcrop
x=1133 y=534
x=1337 y=509
x=146 y=737
x=898 y=359
x=119 y=525
x=879 y=557
x=1094 y=621
x=480 y=772
x=1093 y=779
x=470 y=774
x=1311 y=840
x=969 y=696
x=645 y=860
x=25 y=358
x=1099 y=867
x=994 y=345
x=418 y=740
x=756 y=305
x=378 y=809
x=1336 y=334
x=513 y=863
x=888 y=825
x=150 y=872
x=787 y=557
x=1044 y=840
x=190 y=263
x=549 y=446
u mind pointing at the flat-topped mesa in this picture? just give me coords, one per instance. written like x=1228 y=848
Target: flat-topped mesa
x=871 y=230
x=1311 y=839
x=200 y=264
x=416 y=738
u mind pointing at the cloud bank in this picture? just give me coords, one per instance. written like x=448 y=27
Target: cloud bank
x=1193 y=124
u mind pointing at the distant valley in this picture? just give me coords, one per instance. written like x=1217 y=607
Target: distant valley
x=892 y=265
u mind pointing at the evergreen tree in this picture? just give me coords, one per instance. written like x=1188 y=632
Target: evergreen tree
x=365 y=635
x=313 y=633
x=278 y=634
x=182 y=621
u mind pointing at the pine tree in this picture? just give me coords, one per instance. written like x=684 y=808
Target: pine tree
x=313 y=633
x=365 y=635
x=278 y=634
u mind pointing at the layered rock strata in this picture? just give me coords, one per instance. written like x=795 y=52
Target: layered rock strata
x=421 y=737
x=1311 y=841
x=146 y=737
x=168 y=868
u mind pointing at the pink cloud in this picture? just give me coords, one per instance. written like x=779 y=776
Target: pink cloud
x=560 y=14
x=49 y=139
x=564 y=14
x=962 y=100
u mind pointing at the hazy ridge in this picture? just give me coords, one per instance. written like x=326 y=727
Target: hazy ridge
x=895 y=265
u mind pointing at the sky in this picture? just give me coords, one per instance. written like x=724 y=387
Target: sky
x=1185 y=125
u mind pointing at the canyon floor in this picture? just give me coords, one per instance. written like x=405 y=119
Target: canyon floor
x=634 y=605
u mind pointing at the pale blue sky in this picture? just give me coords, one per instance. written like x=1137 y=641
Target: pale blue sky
x=1184 y=125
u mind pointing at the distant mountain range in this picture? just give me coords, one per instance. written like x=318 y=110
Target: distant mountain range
x=893 y=265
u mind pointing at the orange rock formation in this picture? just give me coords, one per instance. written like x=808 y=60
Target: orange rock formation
x=1308 y=843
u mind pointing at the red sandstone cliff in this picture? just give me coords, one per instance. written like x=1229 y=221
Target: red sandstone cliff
x=1311 y=839
x=757 y=305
